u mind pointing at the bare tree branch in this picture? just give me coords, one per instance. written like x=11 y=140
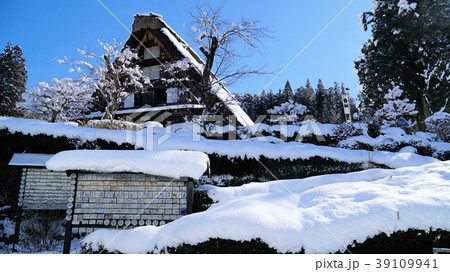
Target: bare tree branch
x=223 y=42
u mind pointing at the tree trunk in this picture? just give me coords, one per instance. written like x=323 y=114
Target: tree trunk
x=53 y=118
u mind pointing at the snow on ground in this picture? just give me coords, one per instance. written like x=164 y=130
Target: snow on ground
x=161 y=163
x=393 y=136
x=155 y=138
x=320 y=214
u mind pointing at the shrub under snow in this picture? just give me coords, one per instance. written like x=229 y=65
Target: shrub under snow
x=289 y=111
x=345 y=130
x=395 y=107
x=439 y=123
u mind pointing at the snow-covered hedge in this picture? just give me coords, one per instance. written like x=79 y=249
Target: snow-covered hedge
x=165 y=139
x=318 y=214
x=395 y=139
x=439 y=123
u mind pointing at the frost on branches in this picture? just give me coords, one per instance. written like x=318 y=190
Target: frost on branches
x=64 y=99
x=288 y=111
x=395 y=107
x=113 y=76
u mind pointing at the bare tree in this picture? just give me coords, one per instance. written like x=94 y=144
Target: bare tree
x=222 y=42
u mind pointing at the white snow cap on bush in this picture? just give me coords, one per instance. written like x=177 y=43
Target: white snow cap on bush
x=291 y=110
x=394 y=107
x=439 y=123
x=173 y=164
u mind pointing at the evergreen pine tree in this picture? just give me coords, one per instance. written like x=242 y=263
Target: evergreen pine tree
x=287 y=92
x=327 y=106
x=306 y=96
x=308 y=84
x=270 y=101
x=320 y=100
x=248 y=104
x=336 y=108
x=13 y=78
x=409 y=48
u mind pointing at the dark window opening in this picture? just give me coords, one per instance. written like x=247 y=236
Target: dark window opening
x=161 y=97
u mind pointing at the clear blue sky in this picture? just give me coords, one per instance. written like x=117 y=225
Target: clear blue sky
x=47 y=30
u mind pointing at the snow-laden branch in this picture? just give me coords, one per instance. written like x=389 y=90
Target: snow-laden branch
x=64 y=99
x=113 y=76
x=395 y=107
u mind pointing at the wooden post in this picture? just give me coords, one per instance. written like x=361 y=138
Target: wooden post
x=17 y=228
x=189 y=195
x=67 y=237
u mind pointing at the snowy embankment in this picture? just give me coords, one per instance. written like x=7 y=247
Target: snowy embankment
x=171 y=139
x=320 y=214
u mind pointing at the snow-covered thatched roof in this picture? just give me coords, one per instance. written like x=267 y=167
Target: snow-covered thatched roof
x=174 y=43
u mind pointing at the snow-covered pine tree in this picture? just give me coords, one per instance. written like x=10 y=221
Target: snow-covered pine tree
x=395 y=107
x=13 y=79
x=409 y=48
x=113 y=76
x=64 y=99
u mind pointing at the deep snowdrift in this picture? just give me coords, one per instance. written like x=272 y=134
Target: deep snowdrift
x=320 y=214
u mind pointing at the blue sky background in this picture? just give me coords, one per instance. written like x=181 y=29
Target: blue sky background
x=47 y=30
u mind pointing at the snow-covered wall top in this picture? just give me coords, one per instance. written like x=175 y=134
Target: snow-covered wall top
x=165 y=139
x=173 y=164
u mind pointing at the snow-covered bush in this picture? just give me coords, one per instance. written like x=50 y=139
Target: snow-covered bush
x=395 y=107
x=42 y=231
x=345 y=130
x=373 y=128
x=66 y=98
x=439 y=123
x=388 y=144
x=287 y=112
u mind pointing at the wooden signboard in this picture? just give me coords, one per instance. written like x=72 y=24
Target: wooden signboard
x=119 y=200
x=41 y=189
